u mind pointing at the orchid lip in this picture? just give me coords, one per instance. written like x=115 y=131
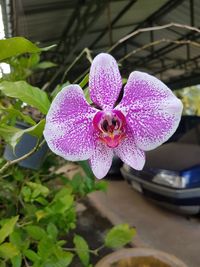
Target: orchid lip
x=110 y=127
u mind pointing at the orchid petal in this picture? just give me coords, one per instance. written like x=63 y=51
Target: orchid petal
x=129 y=153
x=69 y=130
x=101 y=160
x=105 y=81
x=152 y=111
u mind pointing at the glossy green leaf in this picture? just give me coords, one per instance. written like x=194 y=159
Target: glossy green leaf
x=101 y=185
x=52 y=230
x=16 y=46
x=119 y=236
x=14 y=112
x=87 y=95
x=35 y=232
x=84 y=81
x=45 y=247
x=31 y=95
x=12 y=135
x=31 y=255
x=7 y=228
x=16 y=261
x=8 y=250
x=16 y=238
x=82 y=249
x=86 y=167
x=124 y=81
x=38 y=189
x=60 y=258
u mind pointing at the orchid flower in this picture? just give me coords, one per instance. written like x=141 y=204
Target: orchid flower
x=146 y=117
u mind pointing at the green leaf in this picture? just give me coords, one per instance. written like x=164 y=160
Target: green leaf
x=12 y=135
x=82 y=249
x=85 y=165
x=35 y=232
x=45 y=247
x=40 y=214
x=31 y=95
x=31 y=255
x=62 y=205
x=8 y=251
x=7 y=228
x=124 y=81
x=16 y=46
x=2 y=264
x=16 y=238
x=46 y=65
x=101 y=185
x=119 y=236
x=38 y=189
x=52 y=230
x=14 y=112
x=84 y=81
x=16 y=261
x=87 y=95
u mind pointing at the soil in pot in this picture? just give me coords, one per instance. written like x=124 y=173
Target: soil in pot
x=147 y=261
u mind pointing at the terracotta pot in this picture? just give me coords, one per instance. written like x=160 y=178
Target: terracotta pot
x=168 y=259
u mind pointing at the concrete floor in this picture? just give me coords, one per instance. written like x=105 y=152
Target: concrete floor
x=156 y=227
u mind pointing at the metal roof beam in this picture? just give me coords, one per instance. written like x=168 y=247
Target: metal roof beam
x=83 y=23
x=166 y=49
x=166 y=8
x=174 y=66
x=116 y=19
x=43 y=8
x=114 y=27
x=178 y=83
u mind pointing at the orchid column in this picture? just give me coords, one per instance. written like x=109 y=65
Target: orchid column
x=148 y=114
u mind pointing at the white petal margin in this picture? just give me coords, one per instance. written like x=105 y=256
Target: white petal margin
x=129 y=153
x=69 y=130
x=101 y=160
x=105 y=81
x=152 y=111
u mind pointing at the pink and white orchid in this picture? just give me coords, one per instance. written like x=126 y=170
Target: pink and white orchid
x=146 y=117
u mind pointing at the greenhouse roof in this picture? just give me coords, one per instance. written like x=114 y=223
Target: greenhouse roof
x=98 y=25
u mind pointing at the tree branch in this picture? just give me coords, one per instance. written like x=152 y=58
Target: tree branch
x=157 y=42
x=154 y=28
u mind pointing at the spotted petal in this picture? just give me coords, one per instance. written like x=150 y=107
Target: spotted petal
x=129 y=153
x=101 y=160
x=69 y=130
x=105 y=81
x=151 y=109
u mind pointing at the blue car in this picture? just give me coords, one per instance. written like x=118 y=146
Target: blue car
x=171 y=175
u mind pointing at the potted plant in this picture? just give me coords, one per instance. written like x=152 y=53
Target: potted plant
x=139 y=257
x=38 y=214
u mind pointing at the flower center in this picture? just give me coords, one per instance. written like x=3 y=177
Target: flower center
x=110 y=126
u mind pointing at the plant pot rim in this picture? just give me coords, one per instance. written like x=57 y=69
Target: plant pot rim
x=137 y=252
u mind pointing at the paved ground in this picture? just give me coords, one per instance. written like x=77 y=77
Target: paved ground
x=157 y=228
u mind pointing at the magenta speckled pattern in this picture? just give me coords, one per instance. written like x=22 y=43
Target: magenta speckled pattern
x=69 y=129
x=101 y=159
x=105 y=81
x=129 y=153
x=148 y=114
x=152 y=111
